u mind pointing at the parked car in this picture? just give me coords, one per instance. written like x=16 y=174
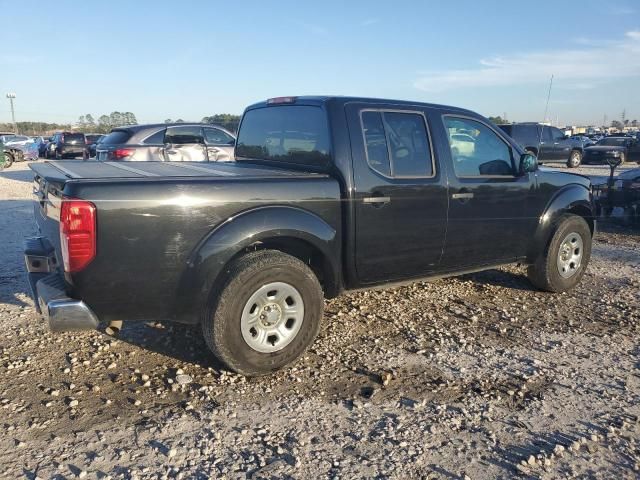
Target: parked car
x=622 y=147
x=17 y=140
x=549 y=144
x=67 y=145
x=92 y=139
x=18 y=148
x=42 y=147
x=175 y=142
x=623 y=192
x=94 y=145
x=586 y=141
x=327 y=194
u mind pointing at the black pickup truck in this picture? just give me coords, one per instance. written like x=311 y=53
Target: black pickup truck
x=327 y=194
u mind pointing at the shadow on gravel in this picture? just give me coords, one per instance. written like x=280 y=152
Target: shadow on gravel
x=618 y=225
x=17 y=175
x=181 y=342
x=16 y=223
x=500 y=278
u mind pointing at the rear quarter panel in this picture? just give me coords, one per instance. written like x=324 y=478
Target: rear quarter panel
x=148 y=230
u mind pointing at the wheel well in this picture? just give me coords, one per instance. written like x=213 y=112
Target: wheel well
x=585 y=213
x=307 y=253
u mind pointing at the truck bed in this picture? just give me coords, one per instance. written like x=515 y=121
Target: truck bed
x=154 y=217
x=63 y=171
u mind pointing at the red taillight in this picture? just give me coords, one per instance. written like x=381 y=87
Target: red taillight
x=77 y=234
x=121 y=153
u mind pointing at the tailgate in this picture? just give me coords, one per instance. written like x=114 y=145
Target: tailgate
x=48 y=184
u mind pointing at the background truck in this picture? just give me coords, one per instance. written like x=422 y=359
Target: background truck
x=326 y=194
x=549 y=144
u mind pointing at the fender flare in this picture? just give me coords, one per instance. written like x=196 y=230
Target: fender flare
x=575 y=199
x=212 y=255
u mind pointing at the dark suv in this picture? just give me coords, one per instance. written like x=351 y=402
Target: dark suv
x=549 y=144
x=67 y=145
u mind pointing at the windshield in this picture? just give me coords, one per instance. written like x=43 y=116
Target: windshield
x=290 y=134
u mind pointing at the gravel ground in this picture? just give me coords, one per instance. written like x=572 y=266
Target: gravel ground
x=473 y=377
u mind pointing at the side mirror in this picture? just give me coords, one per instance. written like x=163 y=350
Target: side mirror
x=528 y=163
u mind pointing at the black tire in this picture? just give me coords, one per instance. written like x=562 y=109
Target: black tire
x=575 y=159
x=58 y=156
x=221 y=324
x=544 y=273
x=8 y=160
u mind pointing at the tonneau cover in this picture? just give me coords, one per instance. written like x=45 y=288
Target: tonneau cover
x=63 y=171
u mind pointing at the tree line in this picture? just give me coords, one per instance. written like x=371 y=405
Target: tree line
x=103 y=124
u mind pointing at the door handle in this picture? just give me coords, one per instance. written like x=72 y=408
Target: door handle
x=376 y=201
x=462 y=196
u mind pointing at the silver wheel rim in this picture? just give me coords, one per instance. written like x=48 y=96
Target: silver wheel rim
x=272 y=317
x=575 y=158
x=570 y=255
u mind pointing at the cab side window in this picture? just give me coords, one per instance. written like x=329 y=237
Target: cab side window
x=476 y=150
x=397 y=143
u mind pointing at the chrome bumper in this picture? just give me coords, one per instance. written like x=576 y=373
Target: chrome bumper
x=49 y=290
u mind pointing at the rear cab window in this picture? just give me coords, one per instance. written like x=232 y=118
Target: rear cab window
x=293 y=134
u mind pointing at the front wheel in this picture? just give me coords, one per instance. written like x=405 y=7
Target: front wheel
x=575 y=159
x=7 y=161
x=561 y=266
x=267 y=312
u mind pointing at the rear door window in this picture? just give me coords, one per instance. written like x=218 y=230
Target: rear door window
x=184 y=135
x=116 y=137
x=156 y=138
x=397 y=143
x=296 y=134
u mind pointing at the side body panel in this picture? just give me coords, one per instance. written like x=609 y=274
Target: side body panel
x=149 y=233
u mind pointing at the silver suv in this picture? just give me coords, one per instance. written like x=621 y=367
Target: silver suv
x=172 y=142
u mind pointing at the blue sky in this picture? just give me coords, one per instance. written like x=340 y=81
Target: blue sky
x=187 y=59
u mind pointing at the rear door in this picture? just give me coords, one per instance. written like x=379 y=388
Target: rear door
x=490 y=205
x=400 y=193
x=219 y=144
x=185 y=144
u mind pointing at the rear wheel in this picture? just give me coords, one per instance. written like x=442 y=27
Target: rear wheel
x=575 y=159
x=267 y=313
x=561 y=266
x=623 y=158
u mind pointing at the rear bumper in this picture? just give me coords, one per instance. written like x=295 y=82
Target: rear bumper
x=48 y=288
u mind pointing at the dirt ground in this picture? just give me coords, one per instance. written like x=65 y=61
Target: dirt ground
x=476 y=377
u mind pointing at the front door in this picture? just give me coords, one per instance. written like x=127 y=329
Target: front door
x=185 y=144
x=490 y=209
x=547 y=149
x=400 y=194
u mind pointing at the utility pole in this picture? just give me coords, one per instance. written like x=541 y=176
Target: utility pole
x=11 y=96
